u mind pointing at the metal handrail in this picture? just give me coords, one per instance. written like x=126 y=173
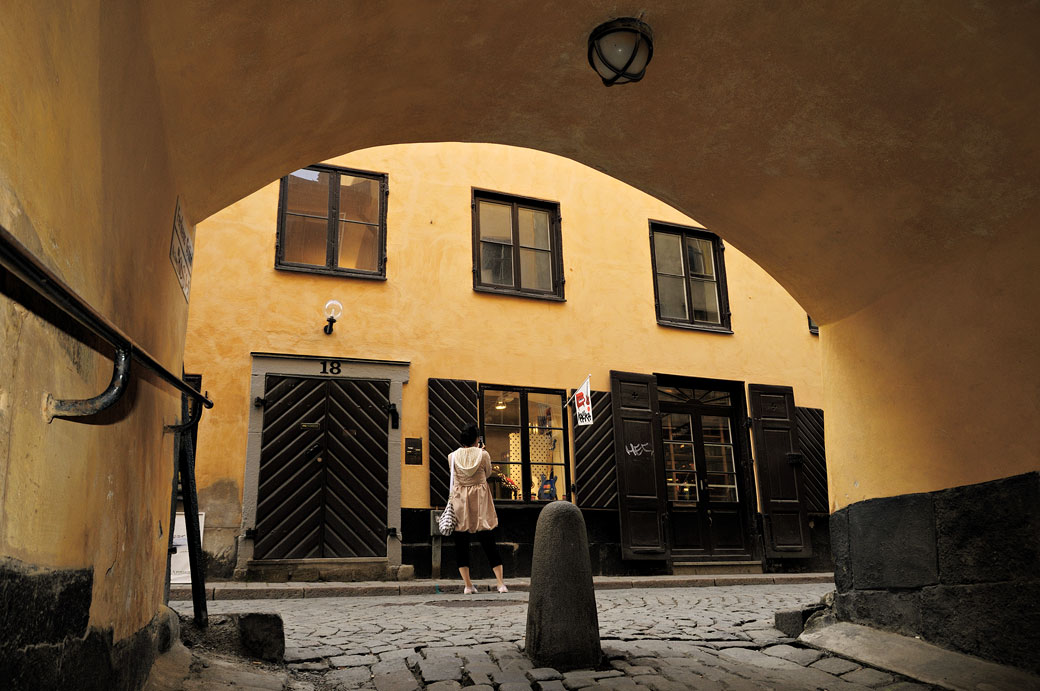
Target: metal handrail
x=18 y=260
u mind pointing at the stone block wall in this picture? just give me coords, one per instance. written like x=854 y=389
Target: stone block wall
x=959 y=567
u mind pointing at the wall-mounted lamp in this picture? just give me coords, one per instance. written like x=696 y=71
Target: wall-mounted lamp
x=333 y=311
x=620 y=50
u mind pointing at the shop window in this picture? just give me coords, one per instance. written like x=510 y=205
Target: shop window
x=516 y=246
x=332 y=221
x=526 y=436
x=689 y=278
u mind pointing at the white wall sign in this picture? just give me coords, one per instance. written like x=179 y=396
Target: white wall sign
x=180 y=566
x=182 y=250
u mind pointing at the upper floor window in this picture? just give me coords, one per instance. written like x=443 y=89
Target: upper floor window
x=516 y=246
x=333 y=221
x=689 y=278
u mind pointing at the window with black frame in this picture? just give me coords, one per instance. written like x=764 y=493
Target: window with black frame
x=516 y=246
x=689 y=278
x=332 y=220
x=525 y=435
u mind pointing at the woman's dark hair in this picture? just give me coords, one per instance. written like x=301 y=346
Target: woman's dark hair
x=469 y=435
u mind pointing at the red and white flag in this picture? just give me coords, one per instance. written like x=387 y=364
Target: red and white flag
x=583 y=404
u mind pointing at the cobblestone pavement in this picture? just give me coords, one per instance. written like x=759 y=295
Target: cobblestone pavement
x=660 y=639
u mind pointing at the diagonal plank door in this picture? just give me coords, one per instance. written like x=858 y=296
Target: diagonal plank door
x=289 y=499
x=356 y=473
x=323 y=469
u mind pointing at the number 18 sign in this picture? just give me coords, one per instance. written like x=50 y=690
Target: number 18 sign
x=583 y=404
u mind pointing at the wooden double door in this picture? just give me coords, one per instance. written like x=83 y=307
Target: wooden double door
x=685 y=472
x=323 y=468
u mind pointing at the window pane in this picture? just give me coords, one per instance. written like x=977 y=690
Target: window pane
x=305 y=240
x=701 y=257
x=705 y=298
x=358 y=199
x=358 y=246
x=671 y=292
x=719 y=459
x=549 y=482
x=676 y=427
x=668 y=253
x=496 y=222
x=308 y=193
x=535 y=270
x=717 y=494
x=502 y=444
x=496 y=264
x=716 y=429
x=680 y=394
x=545 y=447
x=534 y=228
x=545 y=410
x=681 y=487
x=502 y=408
x=679 y=457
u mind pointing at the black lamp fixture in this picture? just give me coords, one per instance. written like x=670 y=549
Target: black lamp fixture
x=620 y=50
x=333 y=310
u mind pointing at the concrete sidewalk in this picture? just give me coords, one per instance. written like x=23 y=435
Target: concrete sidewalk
x=243 y=590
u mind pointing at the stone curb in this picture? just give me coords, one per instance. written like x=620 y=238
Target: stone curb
x=237 y=590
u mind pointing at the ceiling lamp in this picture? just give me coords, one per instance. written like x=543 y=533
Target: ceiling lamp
x=620 y=50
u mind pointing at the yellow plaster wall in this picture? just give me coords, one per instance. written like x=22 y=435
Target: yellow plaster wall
x=85 y=185
x=426 y=312
x=937 y=384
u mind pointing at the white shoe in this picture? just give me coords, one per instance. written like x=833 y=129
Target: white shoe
x=469 y=591
x=503 y=589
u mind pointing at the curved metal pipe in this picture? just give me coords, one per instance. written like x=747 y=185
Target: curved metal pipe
x=24 y=266
x=68 y=407
x=193 y=419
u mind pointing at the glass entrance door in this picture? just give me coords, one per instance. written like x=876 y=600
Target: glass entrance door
x=702 y=478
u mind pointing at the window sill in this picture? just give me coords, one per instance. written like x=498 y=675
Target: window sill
x=518 y=294
x=330 y=272
x=696 y=327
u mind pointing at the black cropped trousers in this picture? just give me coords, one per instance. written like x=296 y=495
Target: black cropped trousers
x=487 y=541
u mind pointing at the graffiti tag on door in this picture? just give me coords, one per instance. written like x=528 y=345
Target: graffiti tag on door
x=639 y=450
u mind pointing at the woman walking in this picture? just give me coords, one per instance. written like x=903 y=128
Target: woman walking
x=474 y=508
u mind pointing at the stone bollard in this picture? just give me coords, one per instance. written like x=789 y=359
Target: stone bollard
x=562 y=624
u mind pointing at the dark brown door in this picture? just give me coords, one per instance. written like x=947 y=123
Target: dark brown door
x=323 y=469
x=637 y=450
x=778 y=460
x=704 y=478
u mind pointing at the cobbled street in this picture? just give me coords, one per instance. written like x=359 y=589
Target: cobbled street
x=660 y=639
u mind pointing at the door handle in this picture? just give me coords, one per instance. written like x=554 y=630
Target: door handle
x=319 y=459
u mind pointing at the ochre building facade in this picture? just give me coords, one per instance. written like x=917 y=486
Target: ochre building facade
x=483 y=283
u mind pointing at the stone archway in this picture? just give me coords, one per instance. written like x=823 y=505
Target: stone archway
x=881 y=163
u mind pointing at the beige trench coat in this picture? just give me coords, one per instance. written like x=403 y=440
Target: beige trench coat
x=471 y=496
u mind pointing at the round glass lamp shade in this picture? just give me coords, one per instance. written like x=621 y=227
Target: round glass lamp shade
x=620 y=50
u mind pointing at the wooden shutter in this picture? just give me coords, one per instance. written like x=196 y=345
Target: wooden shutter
x=778 y=462
x=595 y=477
x=452 y=405
x=814 y=470
x=638 y=459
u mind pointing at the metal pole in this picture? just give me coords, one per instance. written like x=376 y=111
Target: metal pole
x=191 y=523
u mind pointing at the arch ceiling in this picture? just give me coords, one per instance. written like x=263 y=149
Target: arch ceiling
x=846 y=146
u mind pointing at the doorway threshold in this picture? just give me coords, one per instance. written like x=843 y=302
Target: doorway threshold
x=312 y=570
x=712 y=568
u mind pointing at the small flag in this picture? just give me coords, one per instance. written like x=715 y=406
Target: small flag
x=583 y=404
